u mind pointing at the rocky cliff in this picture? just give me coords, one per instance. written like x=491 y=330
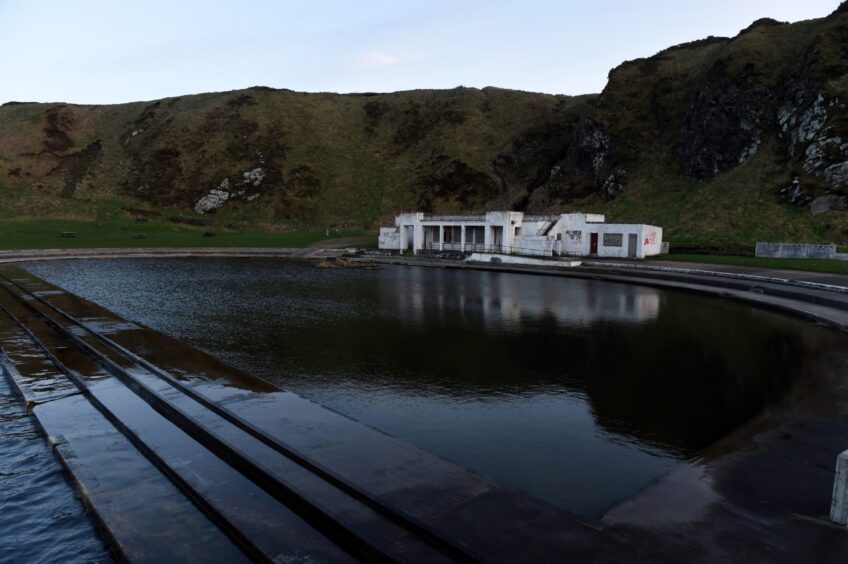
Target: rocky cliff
x=722 y=139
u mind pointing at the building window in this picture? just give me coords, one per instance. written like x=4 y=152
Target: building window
x=518 y=231
x=613 y=239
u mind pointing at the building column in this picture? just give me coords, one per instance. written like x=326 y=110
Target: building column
x=462 y=239
x=441 y=237
x=415 y=240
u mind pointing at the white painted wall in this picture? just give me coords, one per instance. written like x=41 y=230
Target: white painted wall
x=651 y=240
x=534 y=245
x=570 y=235
x=389 y=238
x=512 y=259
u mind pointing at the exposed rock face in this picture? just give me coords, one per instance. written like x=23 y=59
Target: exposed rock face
x=220 y=195
x=216 y=198
x=828 y=202
x=592 y=148
x=254 y=177
x=724 y=125
x=804 y=123
x=60 y=121
x=613 y=185
x=794 y=195
x=801 y=119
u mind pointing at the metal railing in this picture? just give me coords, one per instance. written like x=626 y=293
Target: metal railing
x=542 y=217
x=454 y=218
x=500 y=250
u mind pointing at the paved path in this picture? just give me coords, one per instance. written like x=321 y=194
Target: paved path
x=796 y=275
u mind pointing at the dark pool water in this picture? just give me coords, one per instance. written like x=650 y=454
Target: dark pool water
x=40 y=518
x=578 y=392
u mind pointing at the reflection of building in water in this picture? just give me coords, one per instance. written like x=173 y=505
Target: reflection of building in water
x=510 y=299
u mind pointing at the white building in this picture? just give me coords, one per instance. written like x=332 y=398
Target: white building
x=568 y=234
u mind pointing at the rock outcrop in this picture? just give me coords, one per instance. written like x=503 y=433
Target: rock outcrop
x=725 y=123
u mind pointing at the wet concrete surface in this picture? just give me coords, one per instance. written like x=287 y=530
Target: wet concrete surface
x=796 y=275
x=41 y=520
x=442 y=495
x=760 y=495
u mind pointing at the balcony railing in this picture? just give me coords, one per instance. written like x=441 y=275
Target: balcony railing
x=454 y=218
x=500 y=249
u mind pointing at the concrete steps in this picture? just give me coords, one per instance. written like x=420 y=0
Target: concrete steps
x=124 y=491
x=274 y=476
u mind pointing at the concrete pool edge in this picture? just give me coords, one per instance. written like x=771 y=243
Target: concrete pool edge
x=31 y=255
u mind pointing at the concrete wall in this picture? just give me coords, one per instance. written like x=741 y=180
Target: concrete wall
x=574 y=236
x=652 y=243
x=534 y=245
x=614 y=239
x=513 y=259
x=531 y=228
x=791 y=250
x=507 y=222
x=389 y=238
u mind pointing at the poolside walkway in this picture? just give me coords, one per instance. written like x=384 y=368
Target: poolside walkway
x=753 y=271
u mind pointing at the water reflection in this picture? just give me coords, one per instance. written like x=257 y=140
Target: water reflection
x=507 y=300
x=552 y=385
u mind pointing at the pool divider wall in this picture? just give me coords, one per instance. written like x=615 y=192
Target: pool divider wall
x=839 y=506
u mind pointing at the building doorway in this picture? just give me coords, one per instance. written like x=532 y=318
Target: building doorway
x=593 y=243
x=631 y=245
x=497 y=239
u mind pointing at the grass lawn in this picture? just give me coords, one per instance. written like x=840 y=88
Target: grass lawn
x=812 y=265
x=45 y=234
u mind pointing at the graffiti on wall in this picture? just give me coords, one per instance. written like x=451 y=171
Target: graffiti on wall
x=574 y=236
x=650 y=238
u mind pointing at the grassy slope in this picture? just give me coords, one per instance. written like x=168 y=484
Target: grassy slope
x=371 y=156
x=810 y=265
x=738 y=206
x=366 y=168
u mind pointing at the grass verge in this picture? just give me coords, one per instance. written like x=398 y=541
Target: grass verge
x=46 y=234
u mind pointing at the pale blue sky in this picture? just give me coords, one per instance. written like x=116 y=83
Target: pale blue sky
x=98 y=51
